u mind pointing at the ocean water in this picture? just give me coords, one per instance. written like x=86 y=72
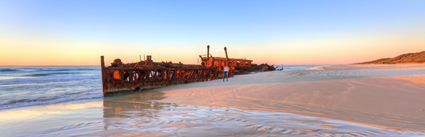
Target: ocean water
x=27 y=86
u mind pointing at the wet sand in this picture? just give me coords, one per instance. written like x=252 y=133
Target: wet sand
x=337 y=101
x=143 y=115
x=385 y=100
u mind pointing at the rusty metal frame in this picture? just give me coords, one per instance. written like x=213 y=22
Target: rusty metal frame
x=147 y=74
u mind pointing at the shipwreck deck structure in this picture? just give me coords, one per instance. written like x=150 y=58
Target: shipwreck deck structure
x=147 y=74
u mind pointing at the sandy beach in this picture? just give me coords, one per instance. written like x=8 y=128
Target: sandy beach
x=365 y=100
x=394 y=102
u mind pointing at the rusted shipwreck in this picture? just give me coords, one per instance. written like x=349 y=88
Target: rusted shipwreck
x=147 y=74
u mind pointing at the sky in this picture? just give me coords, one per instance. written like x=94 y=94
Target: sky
x=77 y=32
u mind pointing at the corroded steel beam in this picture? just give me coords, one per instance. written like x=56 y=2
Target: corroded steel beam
x=148 y=74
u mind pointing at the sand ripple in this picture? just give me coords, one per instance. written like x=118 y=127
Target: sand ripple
x=187 y=120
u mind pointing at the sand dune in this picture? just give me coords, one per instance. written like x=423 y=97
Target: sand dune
x=418 y=57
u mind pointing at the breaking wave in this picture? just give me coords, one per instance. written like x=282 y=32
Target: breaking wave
x=7 y=70
x=48 y=74
x=65 y=97
x=28 y=86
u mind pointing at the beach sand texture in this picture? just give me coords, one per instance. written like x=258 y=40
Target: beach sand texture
x=359 y=100
x=389 y=102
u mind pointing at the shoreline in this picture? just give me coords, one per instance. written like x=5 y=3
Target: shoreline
x=381 y=105
x=333 y=100
x=105 y=118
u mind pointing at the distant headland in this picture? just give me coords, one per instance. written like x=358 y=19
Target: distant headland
x=418 y=57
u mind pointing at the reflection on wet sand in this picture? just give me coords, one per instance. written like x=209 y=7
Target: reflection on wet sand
x=145 y=114
x=136 y=103
x=141 y=114
x=134 y=115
